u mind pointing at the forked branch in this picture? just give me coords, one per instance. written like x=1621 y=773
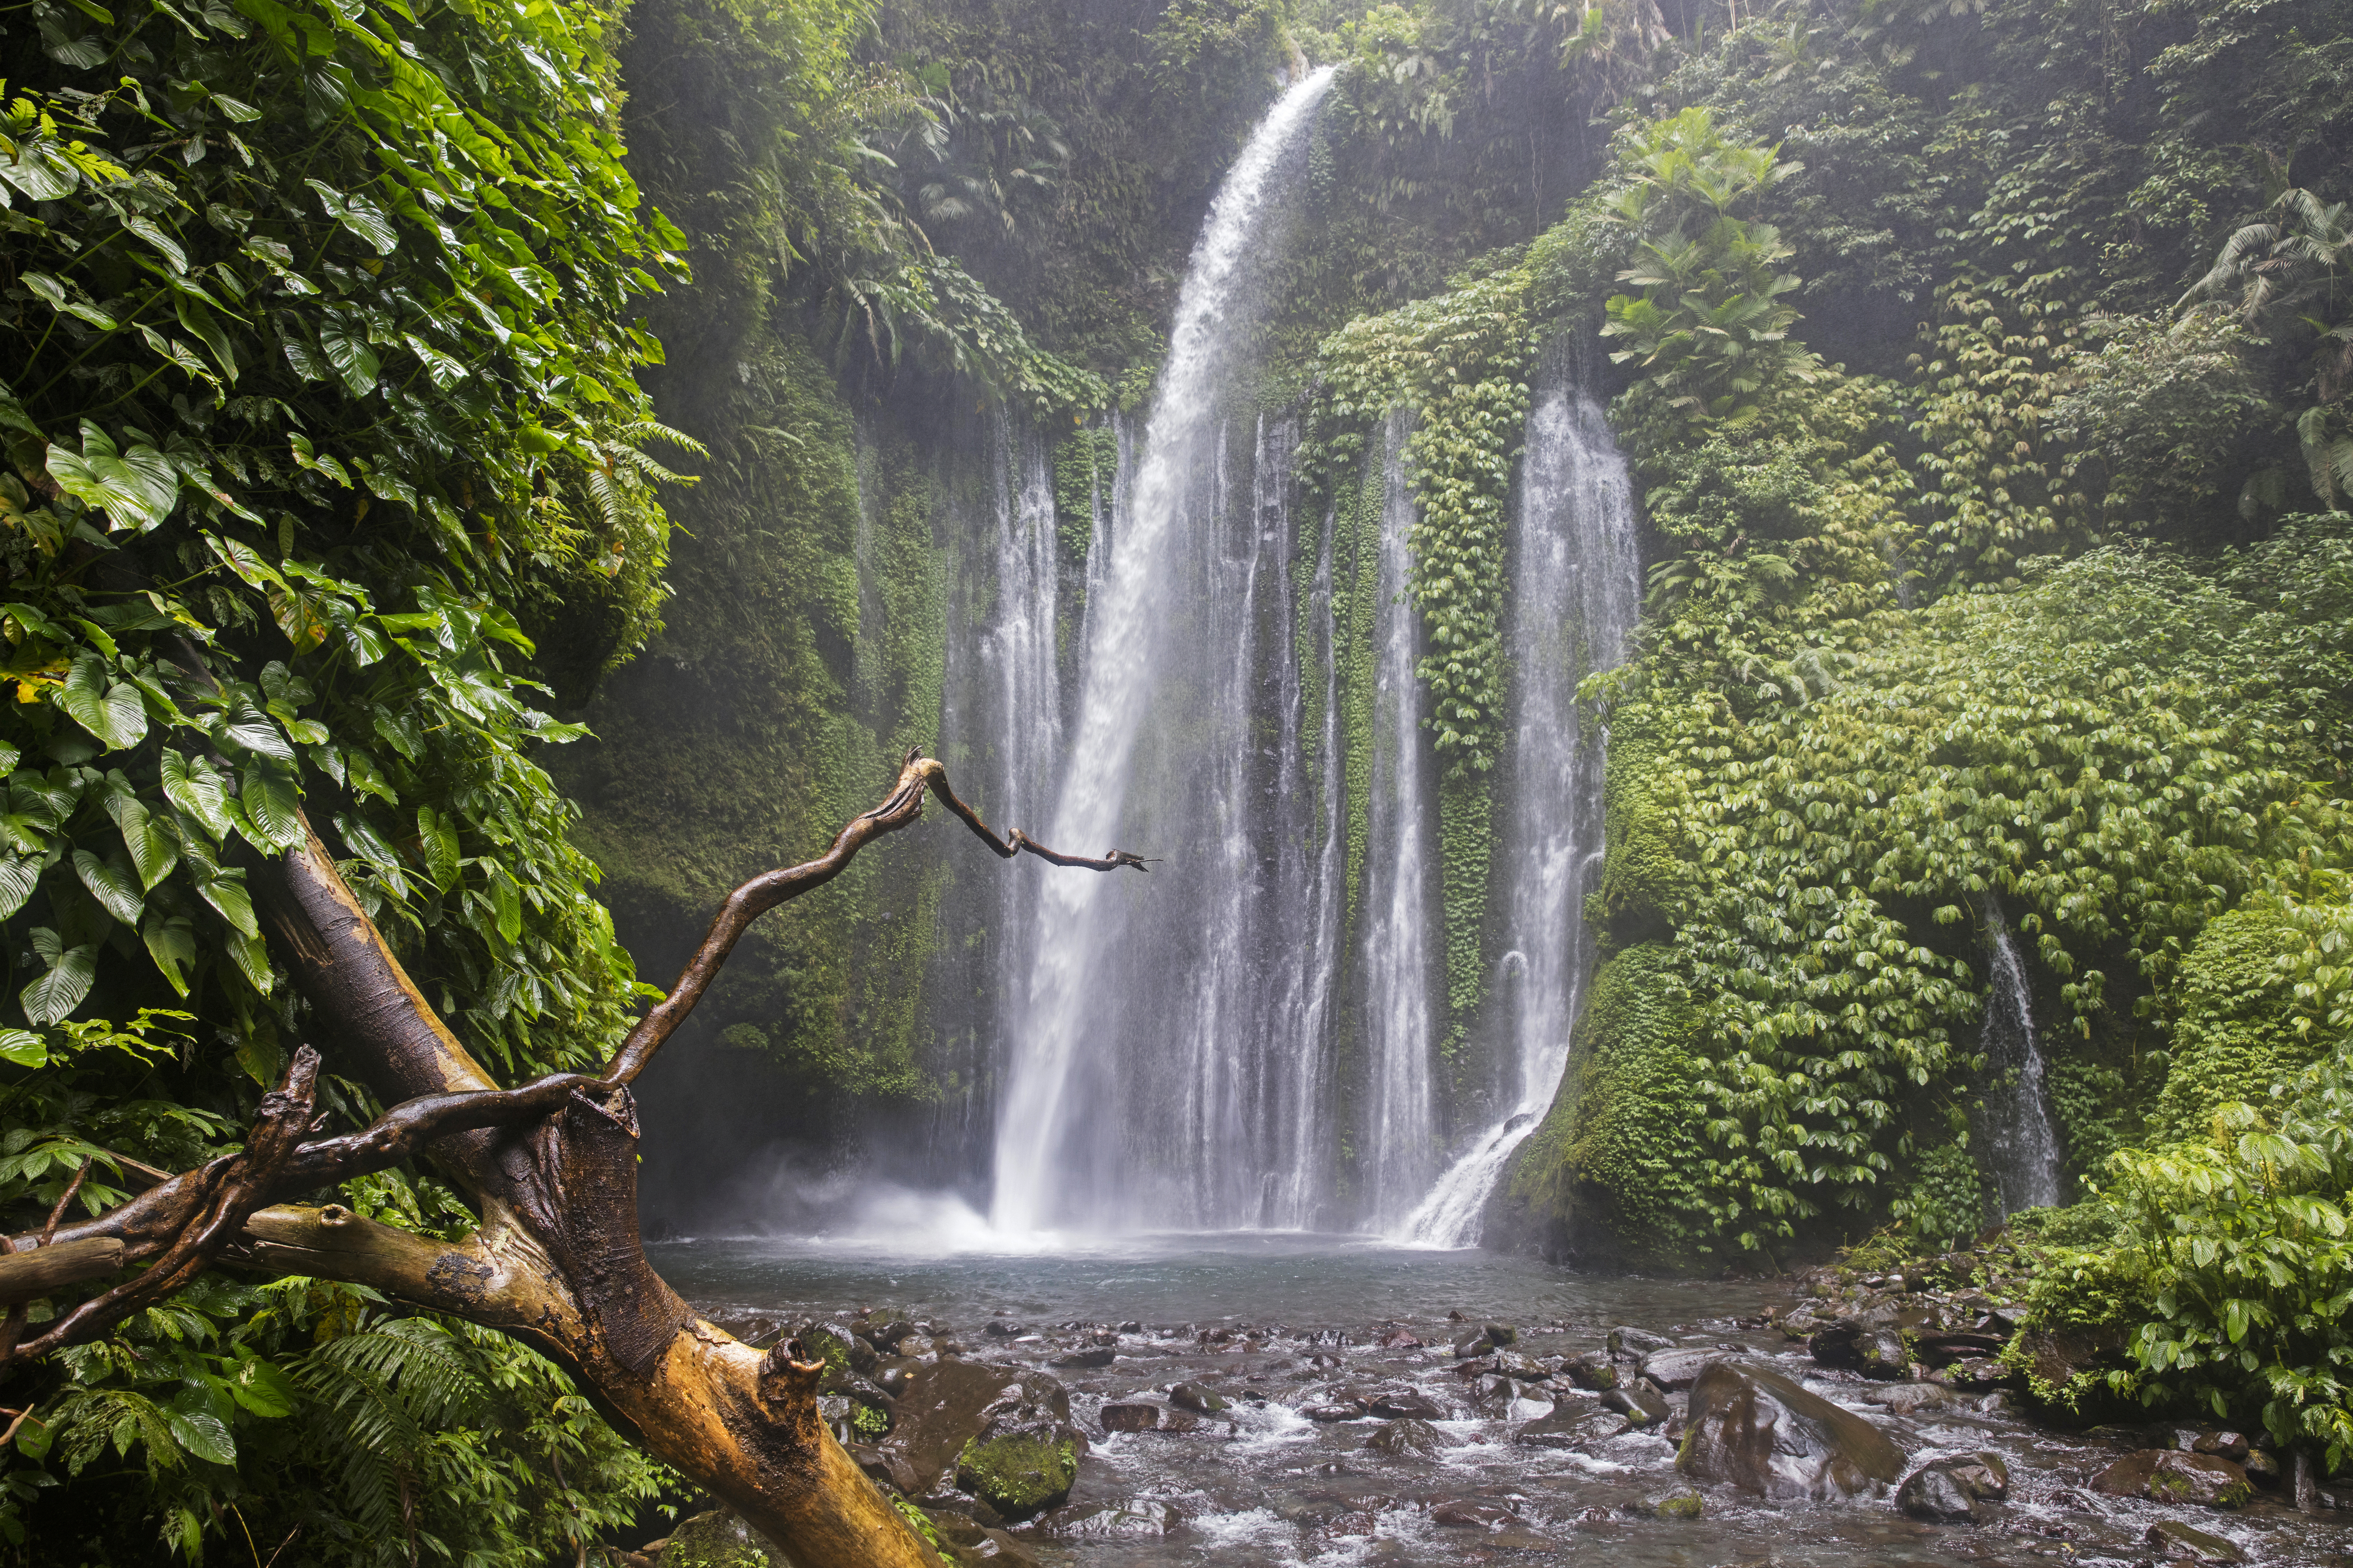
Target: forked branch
x=755 y=898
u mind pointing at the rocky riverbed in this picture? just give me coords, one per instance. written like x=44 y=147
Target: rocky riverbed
x=1848 y=1419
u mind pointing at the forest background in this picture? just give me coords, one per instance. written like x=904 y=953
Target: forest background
x=1985 y=366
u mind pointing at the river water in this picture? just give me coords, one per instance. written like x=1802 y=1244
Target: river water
x=1260 y=1483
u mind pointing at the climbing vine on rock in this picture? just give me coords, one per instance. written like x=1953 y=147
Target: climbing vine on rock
x=1461 y=361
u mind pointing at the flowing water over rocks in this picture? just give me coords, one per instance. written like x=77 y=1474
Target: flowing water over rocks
x=1286 y=1399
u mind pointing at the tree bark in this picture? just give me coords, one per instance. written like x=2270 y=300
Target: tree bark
x=552 y=1165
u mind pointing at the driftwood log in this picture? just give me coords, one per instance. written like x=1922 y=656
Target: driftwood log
x=551 y=1167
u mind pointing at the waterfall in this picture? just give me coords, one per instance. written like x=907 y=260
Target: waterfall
x=2021 y=1143
x=1575 y=593
x=1144 y=1046
x=1399 y=1000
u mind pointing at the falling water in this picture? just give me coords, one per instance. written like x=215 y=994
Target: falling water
x=1140 y=1072
x=1400 y=999
x=2021 y=1145
x=1576 y=592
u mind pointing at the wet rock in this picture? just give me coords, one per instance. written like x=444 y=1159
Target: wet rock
x=918 y=1346
x=1461 y=1513
x=1330 y=1413
x=1582 y=1427
x=892 y=1468
x=1907 y=1398
x=1678 y=1368
x=1934 y=1494
x=1134 y=1518
x=1502 y=1334
x=1400 y=1438
x=1592 y=1371
x=1101 y=1355
x=1003 y=1329
x=1405 y=1404
x=887 y=1332
x=1985 y=1473
x=2231 y=1446
x=1637 y=1341
x=2056 y=1355
x=1677 y=1502
x=1753 y=1428
x=1641 y=1402
x=1512 y=1363
x=1136 y=1416
x=950 y=1405
x=2168 y=1475
x=2262 y=1468
x=1021 y=1473
x=1976 y=1373
x=1401 y=1340
x=1872 y=1352
x=1193 y=1396
x=2173 y=1542
x=718 y=1539
x=1466 y=1346
x=966 y=1540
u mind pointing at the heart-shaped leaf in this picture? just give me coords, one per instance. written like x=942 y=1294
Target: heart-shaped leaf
x=110 y=709
x=52 y=998
x=172 y=944
x=135 y=488
x=113 y=884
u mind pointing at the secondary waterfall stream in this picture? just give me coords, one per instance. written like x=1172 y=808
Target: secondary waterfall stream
x=1576 y=590
x=2022 y=1146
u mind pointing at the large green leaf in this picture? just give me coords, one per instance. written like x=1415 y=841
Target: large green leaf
x=226 y=893
x=23 y=1049
x=347 y=350
x=52 y=998
x=19 y=875
x=113 y=884
x=152 y=846
x=437 y=841
x=273 y=808
x=172 y=944
x=195 y=788
x=111 y=711
x=261 y=1388
x=202 y=1434
x=136 y=489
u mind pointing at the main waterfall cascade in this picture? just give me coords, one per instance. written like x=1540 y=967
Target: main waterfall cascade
x=1577 y=591
x=1248 y=1037
x=2022 y=1144
x=1127 y=1096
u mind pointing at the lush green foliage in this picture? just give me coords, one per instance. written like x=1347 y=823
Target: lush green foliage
x=321 y=342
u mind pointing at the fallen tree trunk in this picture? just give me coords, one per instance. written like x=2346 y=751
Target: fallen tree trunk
x=552 y=1167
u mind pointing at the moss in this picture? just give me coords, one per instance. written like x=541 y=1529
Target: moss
x=2233 y=1035
x=1618 y=1145
x=1086 y=459
x=1466 y=849
x=1019 y=1475
x=1642 y=869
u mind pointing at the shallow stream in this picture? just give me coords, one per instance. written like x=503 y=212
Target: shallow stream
x=1260 y=1483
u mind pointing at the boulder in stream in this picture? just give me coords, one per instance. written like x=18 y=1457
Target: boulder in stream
x=2171 y=1541
x=1678 y=1368
x=1400 y=1438
x=1581 y=1426
x=1636 y=1342
x=951 y=1408
x=1750 y=1427
x=2168 y=1475
x=1948 y=1492
x=718 y=1539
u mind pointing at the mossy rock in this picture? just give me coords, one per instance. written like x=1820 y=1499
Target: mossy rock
x=1019 y=1475
x=718 y=1539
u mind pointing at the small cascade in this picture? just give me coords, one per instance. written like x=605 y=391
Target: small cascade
x=1400 y=1000
x=1142 y=1051
x=2022 y=1142
x=1576 y=592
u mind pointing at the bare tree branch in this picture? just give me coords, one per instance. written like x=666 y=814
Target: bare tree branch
x=755 y=898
